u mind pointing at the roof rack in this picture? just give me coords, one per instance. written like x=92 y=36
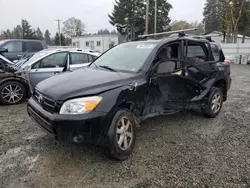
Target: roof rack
x=207 y=37
x=181 y=33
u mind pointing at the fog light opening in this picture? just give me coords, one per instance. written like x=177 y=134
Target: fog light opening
x=78 y=139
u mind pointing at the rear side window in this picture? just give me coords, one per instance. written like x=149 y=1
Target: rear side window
x=196 y=50
x=79 y=58
x=14 y=47
x=33 y=46
x=216 y=52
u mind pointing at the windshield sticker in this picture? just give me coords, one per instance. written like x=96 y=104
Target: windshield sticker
x=145 y=46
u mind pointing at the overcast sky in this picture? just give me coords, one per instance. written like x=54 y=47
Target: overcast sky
x=43 y=13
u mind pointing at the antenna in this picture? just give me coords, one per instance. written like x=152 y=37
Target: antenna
x=167 y=33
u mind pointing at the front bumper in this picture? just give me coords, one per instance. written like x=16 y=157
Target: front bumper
x=89 y=126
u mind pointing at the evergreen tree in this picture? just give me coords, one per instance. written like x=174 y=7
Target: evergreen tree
x=48 y=40
x=104 y=31
x=7 y=34
x=129 y=16
x=39 y=34
x=17 y=32
x=213 y=15
x=57 y=42
x=27 y=32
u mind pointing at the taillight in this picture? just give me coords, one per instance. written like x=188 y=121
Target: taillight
x=227 y=62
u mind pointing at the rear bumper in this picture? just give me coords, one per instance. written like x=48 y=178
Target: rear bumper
x=229 y=83
x=66 y=127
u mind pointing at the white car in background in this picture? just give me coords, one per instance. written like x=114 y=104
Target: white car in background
x=50 y=62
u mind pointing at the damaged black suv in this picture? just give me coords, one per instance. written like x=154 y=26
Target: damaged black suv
x=128 y=84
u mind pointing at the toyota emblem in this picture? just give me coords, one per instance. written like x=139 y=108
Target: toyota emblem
x=40 y=98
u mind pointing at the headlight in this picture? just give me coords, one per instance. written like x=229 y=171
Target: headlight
x=80 y=105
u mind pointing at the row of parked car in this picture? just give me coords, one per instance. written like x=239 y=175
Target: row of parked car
x=19 y=78
x=103 y=102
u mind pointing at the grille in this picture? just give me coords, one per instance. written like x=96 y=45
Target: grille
x=46 y=102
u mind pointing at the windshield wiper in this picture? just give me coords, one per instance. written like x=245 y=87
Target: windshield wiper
x=107 y=67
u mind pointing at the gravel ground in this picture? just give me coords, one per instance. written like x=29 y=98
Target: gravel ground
x=182 y=150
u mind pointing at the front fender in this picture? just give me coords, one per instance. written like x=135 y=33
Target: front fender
x=113 y=99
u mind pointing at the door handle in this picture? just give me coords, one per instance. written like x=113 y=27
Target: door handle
x=57 y=72
x=19 y=55
x=153 y=80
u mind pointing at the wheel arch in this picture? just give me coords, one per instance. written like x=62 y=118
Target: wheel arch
x=13 y=79
x=222 y=84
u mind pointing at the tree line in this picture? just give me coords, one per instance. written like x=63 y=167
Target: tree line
x=231 y=17
x=71 y=27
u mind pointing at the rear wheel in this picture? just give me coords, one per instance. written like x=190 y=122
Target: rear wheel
x=12 y=92
x=214 y=103
x=121 y=135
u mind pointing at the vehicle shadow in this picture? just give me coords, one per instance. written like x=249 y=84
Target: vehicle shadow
x=65 y=164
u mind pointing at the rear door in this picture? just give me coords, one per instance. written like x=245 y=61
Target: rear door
x=15 y=50
x=49 y=66
x=78 y=60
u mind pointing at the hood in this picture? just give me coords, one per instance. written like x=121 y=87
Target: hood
x=82 y=82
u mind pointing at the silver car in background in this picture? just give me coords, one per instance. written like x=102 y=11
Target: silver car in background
x=51 y=62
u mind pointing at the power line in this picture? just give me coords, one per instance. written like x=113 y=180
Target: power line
x=59 y=31
x=147 y=11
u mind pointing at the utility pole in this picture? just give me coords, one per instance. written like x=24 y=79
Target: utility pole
x=59 y=31
x=147 y=11
x=156 y=11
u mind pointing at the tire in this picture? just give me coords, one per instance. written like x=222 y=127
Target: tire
x=16 y=96
x=121 y=130
x=214 y=103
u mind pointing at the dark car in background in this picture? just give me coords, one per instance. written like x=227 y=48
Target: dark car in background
x=14 y=49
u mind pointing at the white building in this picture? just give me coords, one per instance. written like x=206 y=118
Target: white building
x=99 y=43
x=218 y=37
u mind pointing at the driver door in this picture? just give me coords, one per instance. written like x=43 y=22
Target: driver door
x=49 y=66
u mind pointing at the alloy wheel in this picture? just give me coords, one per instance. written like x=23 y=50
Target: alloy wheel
x=216 y=103
x=12 y=93
x=124 y=133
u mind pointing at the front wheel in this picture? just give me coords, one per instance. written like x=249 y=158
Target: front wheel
x=214 y=103
x=12 y=92
x=121 y=135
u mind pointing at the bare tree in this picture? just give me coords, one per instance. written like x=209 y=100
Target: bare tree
x=73 y=27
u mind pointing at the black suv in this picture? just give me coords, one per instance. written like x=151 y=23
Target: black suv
x=14 y=49
x=128 y=84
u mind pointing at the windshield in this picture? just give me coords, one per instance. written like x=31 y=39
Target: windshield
x=27 y=60
x=125 y=57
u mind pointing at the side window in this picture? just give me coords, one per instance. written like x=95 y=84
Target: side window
x=14 y=47
x=54 y=60
x=196 y=51
x=33 y=46
x=171 y=51
x=98 y=43
x=79 y=58
x=216 y=52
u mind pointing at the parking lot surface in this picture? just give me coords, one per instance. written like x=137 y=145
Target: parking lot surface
x=181 y=150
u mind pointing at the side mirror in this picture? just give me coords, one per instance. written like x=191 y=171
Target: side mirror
x=165 y=67
x=2 y=50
